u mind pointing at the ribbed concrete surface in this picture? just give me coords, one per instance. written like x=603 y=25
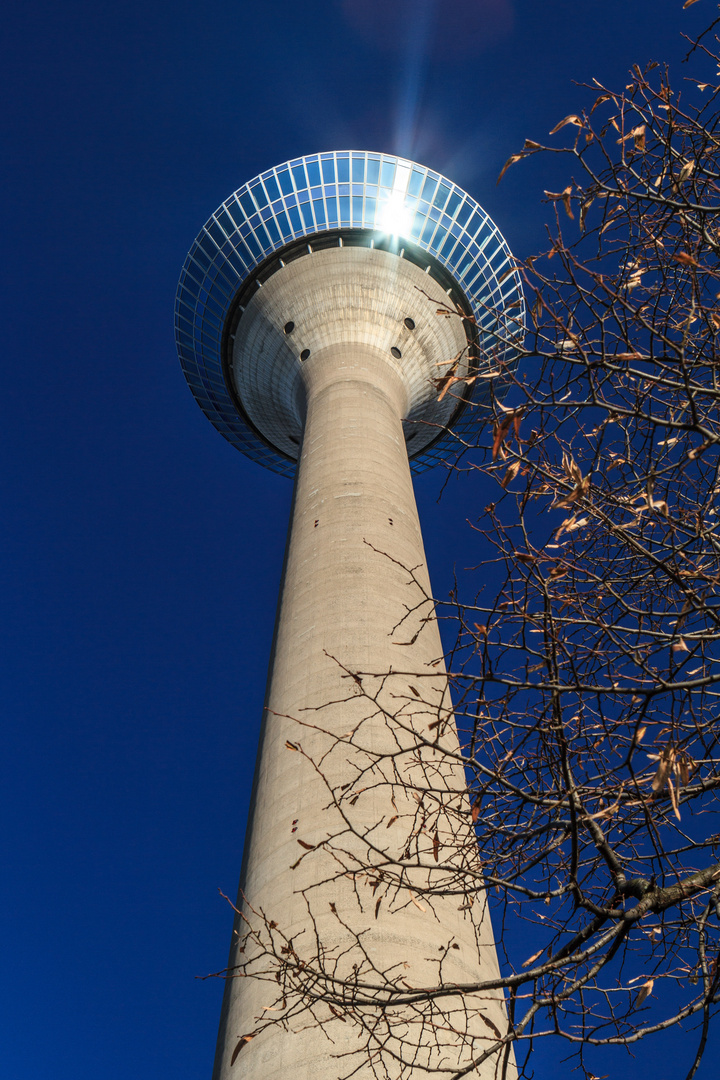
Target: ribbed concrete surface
x=345 y=296
x=346 y=594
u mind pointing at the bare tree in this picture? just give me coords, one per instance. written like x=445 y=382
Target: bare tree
x=586 y=667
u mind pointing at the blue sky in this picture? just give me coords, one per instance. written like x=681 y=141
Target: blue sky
x=141 y=553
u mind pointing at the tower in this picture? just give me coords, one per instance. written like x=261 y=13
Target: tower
x=343 y=318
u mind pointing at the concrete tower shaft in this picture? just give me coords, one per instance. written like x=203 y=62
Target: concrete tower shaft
x=355 y=598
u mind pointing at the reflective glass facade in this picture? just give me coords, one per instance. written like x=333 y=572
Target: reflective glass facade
x=330 y=192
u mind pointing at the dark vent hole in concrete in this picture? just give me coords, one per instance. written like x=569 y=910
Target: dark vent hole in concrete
x=289 y=327
x=396 y=352
x=409 y=323
x=304 y=354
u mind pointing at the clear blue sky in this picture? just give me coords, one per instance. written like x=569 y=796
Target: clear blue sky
x=141 y=553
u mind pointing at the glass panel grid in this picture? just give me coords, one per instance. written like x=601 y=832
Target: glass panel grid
x=377 y=192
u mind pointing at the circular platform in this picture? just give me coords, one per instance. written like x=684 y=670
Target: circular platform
x=340 y=247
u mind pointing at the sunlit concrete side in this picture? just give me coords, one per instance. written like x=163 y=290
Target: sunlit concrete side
x=354 y=599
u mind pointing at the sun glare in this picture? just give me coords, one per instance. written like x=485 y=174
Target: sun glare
x=395 y=217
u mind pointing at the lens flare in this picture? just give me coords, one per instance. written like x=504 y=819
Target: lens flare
x=395 y=217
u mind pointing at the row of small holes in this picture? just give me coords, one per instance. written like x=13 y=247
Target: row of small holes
x=290 y=326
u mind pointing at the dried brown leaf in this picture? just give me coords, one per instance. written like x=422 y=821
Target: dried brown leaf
x=571 y=119
x=645 y=991
x=487 y=1021
x=240 y=1046
x=531 y=959
x=500 y=432
x=673 y=798
x=510 y=474
x=510 y=161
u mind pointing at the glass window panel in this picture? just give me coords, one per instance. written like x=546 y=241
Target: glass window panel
x=343 y=189
x=472 y=281
x=357 y=209
x=295 y=219
x=441 y=197
x=273 y=231
x=285 y=181
x=246 y=202
x=373 y=171
x=299 y=177
x=462 y=266
x=313 y=171
x=473 y=224
x=439 y=237
x=484 y=242
x=344 y=209
x=428 y=189
x=464 y=213
x=319 y=211
x=332 y=211
x=272 y=188
x=387 y=174
x=328 y=171
x=417 y=226
x=213 y=305
x=428 y=231
x=262 y=237
x=189 y=289
x=284 y=224
x=370 y=205
x=416 y=182
x=307 y=215
x=343 y=169
x=249 y=249
x=358 y=189
x=259 y=195
x=207 y=246
x=216 y=232
x=236 y=262
x=201 y=259
x=226 y=221
x=453 y=204
x=358 y=170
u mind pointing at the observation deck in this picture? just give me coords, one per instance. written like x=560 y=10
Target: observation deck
x=341 y=249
